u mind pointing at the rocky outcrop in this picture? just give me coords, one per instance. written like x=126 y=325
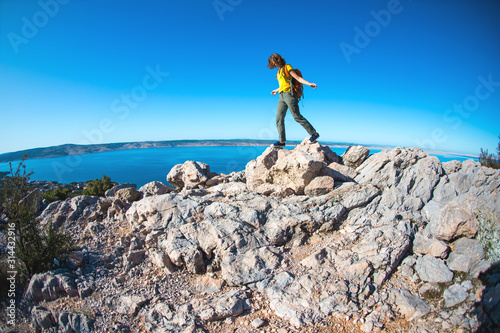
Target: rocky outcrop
x=292 y=169
x=354 y=156
x=190 y=175
x=301 y=235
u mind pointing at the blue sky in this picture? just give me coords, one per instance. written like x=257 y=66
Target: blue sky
x=402 y=73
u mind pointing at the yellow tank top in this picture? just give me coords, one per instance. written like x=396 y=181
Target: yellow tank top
x=283 y=81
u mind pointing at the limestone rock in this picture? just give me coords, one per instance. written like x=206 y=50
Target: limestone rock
x=293 y=169
x=429 y=245
x=128 y=194
x=64 y=214
x=162 y=211
x=129 y=305
x=319 y=186
x=155 y=188
x=354 y=156
x=351 y=195
x=112 y=191
x=431 y=269
x=182 y=252
x=339 y=172
x=230 y=304
x=467 y=253
x=251 y=266
x=296 y=171
x=43 y=318
x=454 y=295
x=454 y=221
x=50 y=286
x=190 y=174
x=411 y=306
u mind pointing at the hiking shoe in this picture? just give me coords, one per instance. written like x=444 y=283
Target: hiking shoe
x=313 y=137
x=278 y=144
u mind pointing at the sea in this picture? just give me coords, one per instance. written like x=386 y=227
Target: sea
x=141 y=166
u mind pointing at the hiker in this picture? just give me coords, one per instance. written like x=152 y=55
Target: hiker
x=288 y=99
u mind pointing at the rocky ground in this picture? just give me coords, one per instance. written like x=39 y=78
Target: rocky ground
x=302 y=240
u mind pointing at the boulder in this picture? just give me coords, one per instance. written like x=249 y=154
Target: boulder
x=161 y=211
x=431 y=269
x=296 y=171
x=454 y=295
x=452 y=222
x=190 y=174
x=411 y=306
x=43 y=318
x=354 y=156
x=319 y=186
x=112 y=191
x=74 y=322
x=429 y=245
x=339 y=172
x=64 y=214
x=155 y=188
x=467 y=253
x=50 y=286
x=318 y=152
x=128 y=194
x=288 y=169
x=182 y=252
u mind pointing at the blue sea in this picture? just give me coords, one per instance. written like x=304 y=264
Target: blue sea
x=141 y=166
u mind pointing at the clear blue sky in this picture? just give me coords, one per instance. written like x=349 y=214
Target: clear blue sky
x=403 y=73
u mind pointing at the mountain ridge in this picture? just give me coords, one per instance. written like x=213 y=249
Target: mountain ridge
x=76 y=149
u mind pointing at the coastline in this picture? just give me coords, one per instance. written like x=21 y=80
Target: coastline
x=74 y=149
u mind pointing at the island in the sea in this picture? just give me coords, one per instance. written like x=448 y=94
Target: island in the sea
x=74 y=149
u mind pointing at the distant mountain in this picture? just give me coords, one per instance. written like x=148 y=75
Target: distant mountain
x=71 y=149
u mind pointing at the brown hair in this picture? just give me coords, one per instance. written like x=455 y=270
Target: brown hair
x=275 y=60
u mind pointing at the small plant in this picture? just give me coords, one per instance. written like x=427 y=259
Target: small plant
x=488 y=234
x=56 y=194
x=98 y=187
x=489 y=160
x=36 y=246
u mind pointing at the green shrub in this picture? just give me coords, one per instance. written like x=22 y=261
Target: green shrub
x=489 y=160
x=36 y=246
x=488 y=234
x=98 y=187
x=56 y=194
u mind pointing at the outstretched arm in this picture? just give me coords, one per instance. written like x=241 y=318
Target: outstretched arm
x=302 y=80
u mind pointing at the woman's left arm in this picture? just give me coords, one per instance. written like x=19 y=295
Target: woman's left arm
x=302 y=80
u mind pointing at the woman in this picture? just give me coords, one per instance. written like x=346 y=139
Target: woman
x=288 y=99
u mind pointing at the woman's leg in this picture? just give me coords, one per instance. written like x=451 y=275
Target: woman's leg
x=280 y=118
x=293 y=105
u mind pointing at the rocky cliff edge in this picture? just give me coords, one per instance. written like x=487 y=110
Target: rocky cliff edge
x=302 y=240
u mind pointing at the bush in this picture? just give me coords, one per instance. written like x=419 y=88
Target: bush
x=489 y=160
x=488 y=234
x=36 y=246
x=56 y=194
x=98 y=187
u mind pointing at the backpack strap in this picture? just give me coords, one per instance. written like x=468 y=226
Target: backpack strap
x=289 y=79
